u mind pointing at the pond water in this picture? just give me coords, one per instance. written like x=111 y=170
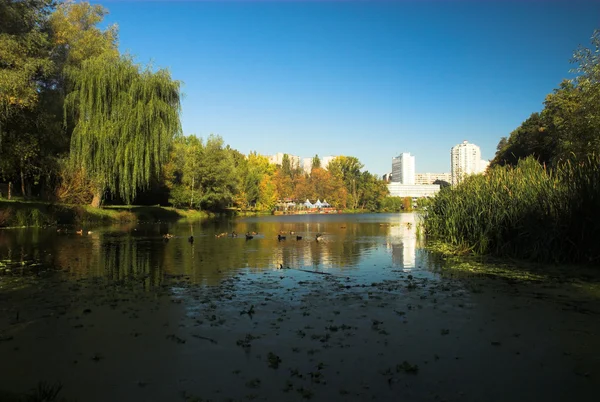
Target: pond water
x=366 y=313
x=367 y=246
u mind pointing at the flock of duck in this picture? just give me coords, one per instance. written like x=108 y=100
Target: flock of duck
x=281 y=236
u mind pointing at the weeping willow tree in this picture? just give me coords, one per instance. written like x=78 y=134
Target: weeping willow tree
x=125 y=119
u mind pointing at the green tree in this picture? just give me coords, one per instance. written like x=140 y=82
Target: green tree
x=217 y=173
x=316 y=162
x=348 y=169
x=257 y=167
x=76 y=35
x=24 y=65
x=125 y=119
x=24 y=53
x=371 y=192
x=569 y=124
x=182 y=171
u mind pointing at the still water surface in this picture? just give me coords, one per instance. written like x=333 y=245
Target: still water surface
x=120 y=314
x=363 y=246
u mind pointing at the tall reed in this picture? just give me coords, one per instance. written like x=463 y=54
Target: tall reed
x=527 y=211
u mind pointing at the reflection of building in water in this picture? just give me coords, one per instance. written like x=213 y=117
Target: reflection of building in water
x=403 y=241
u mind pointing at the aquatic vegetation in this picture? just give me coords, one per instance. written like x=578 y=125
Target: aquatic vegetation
x=273 y=360
x=527 y=211
x=407 y=368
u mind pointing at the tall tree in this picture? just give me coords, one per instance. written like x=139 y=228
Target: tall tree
x=217 y=173
x=24 y=53
x=24 y=64
x=76 y=34
x=125 y=119
x=316 y=162
x=347 y=168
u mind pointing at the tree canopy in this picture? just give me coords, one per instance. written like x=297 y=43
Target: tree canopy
x=569 y=124
x=125 y=119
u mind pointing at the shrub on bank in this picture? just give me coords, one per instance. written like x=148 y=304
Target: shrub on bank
x=527 y=211
x=38 y=214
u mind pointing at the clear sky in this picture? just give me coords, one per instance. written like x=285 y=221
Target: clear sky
x=369 y=79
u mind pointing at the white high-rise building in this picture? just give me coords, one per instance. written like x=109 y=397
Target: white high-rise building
x=403 y=169
x=465 y=159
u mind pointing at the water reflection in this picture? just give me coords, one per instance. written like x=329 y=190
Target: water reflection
x=404 y=241
x=362 y=244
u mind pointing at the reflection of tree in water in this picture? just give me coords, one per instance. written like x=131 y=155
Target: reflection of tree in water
x=141 y=256
x=126 y=258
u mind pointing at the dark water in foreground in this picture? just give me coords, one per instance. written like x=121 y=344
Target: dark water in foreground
x=366 y=245
x=119 y=314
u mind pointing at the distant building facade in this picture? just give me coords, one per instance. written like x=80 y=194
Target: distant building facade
x=403 y=169
x=307 y=165
x=483 y=165
x=277 y=159
x=465 y=159
x=412 y=190
x=325 y=160
x=430 y=178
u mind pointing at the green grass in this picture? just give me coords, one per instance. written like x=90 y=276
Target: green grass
x=16 y=213
x=526 y=212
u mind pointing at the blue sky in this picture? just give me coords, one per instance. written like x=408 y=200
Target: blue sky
x=369 y=79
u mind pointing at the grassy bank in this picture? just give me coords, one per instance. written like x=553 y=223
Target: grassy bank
x=526 y=212
x=38 y=214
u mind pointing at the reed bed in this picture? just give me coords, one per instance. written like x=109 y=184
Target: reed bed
x=528 y=211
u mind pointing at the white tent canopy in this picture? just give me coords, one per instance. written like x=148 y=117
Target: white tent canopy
x=325 y=203
x=308 y=204
x=318 y=204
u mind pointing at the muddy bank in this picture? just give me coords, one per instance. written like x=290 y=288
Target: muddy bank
x=294 y=335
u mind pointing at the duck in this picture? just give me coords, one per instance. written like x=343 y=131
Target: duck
x=280 y=237
x=90 y=232
x=191 y=239
x=298 y=237
x=249 y=236
x=79 y=232
x=319 y=237
x=292 y=232
x=234 y=234
x=167 y=236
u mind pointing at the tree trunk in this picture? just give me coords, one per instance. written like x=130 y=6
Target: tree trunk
x=23 y=183
x=192 y=200
x=97 y=199
x=9 y=189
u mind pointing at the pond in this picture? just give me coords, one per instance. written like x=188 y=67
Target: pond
x=369 y=246
x=365 y=312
